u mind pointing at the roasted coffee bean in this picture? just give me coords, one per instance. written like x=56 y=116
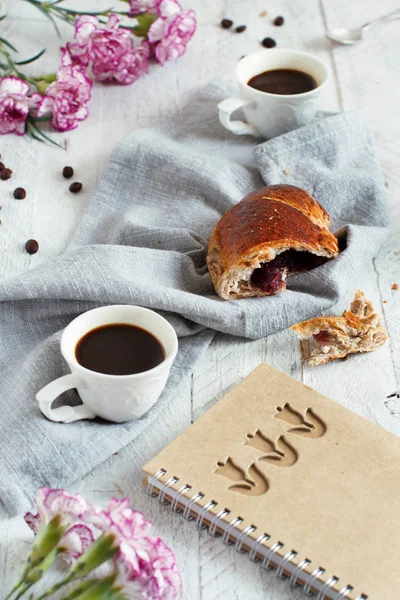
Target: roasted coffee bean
x=279 y=21
x=5 y=174
x=75 y=187
x=226 y=23
x=67 y=172
x=31 y=246
x=19 y=193
x=240 y=29
x=2 y=166
x=268 y=42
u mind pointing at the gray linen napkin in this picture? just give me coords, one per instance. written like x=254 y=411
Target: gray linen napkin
x=143 y=241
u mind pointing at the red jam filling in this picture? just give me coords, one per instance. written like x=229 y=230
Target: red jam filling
x=269 y=276
x=322 y=338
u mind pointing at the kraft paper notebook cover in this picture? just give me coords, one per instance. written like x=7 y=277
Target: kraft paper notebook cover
x=297 y=480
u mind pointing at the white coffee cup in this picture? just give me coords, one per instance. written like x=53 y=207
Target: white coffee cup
x=269 y=115
x=116 y=398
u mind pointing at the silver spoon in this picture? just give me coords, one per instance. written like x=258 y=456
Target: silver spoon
x=352 y=36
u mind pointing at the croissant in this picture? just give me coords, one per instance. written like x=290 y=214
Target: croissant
x=273 y=233
x=360 y=329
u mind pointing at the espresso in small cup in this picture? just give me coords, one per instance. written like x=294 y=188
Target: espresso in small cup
x=119 y=349
x=120 y=357
x=286 y=82
x=278 y=90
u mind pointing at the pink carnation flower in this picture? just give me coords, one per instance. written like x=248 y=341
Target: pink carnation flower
x=15 y=105
x=144 y=567
x=172 y=31
x=111 y=50
x=79 y=49
x=72 y=508
x=143 y=6
x=114 y=56
x=147 y=569
x=68 y=97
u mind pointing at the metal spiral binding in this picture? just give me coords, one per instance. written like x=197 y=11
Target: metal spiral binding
x=239 y=542
x=327 y=586
x=307 y=588
x=227 y=533
x=202 y=514
x=186 y=513
x=212 y=530
x=296 y=573
x=286 y=559
x=150 y=486
x=267 y=559
x=255 y=547
x=344 y=591
x=175 y=502
x=161 y=496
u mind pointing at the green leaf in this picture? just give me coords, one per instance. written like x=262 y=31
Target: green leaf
x=145 y=22
x=30 y=60
x=46 y=12
x=3 y=41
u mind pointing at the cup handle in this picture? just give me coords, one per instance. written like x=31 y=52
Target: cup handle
x=64 y=414
x=226 y=108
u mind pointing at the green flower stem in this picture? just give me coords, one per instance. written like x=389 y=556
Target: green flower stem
x=101 y=589
x=94 y=589
x=45 y=542
x=43 y=81
x=98 y=553
x=43 y=552
x=15 y=588
x=144 y=23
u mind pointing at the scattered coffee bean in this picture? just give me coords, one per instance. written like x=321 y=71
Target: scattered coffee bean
x=2 y=166
x=19 y=193
x=268 y=42
x=75 y=187
x=279 y=21
x=226 y=23
x=31 y=246
x=240 y=29
x=5 y=174
x=67 y=172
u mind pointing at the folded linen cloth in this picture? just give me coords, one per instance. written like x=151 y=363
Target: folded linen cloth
x=143 y=241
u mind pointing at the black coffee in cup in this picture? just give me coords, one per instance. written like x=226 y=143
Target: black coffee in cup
x=119 y=349
x=286 y=82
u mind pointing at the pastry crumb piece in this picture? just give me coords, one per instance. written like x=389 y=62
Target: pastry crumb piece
x=263 y=13
x=286 y=172
x=328 y=338
x=395 y=286
x=384 y=301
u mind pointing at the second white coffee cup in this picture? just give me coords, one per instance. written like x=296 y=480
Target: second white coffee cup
x=269 y=115
x=116 y=398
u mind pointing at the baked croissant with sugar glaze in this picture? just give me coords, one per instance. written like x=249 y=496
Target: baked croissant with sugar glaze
x=274 y=232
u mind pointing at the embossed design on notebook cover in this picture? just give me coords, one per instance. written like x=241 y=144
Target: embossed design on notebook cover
x=250 y=483
x=280 y=453
x=309 y=425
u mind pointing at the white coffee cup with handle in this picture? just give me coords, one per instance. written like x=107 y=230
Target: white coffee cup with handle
x=269 y=115
x=116 y=398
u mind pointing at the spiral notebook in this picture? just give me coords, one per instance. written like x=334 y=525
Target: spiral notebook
x=299 y=482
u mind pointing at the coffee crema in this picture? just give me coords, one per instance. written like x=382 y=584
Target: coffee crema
x=287 y=82
x=119 y=349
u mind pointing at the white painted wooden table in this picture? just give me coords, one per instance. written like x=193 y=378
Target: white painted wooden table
x=366 y=76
